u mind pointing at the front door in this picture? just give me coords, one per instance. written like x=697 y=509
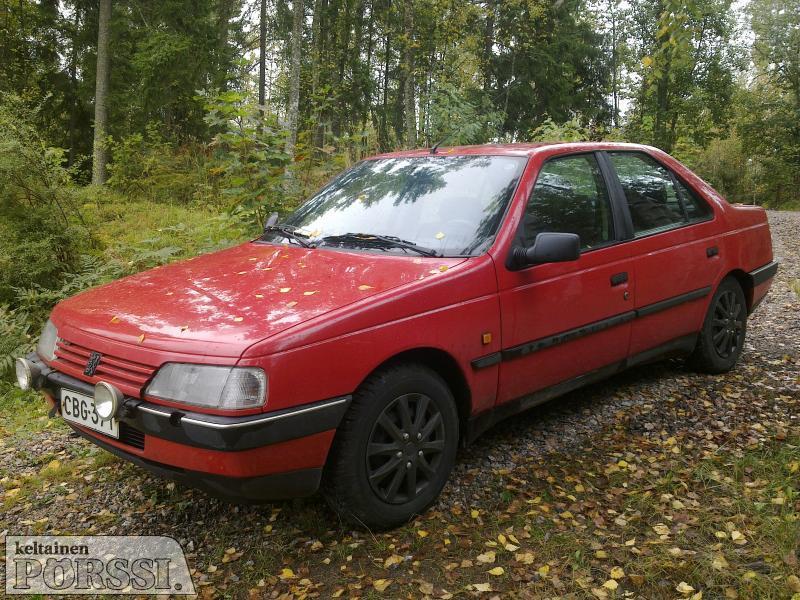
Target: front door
x=562 y=321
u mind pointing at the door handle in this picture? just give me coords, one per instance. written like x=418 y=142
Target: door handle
x=712 y=251
x=619 y=279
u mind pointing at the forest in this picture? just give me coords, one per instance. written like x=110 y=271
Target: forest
x=133 y=133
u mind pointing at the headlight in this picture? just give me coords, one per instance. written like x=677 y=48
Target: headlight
x=47 y=342
x=211 y=387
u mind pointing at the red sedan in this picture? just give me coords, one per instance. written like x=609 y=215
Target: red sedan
x=413 y=302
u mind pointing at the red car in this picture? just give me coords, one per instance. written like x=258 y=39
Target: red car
x=413 y=302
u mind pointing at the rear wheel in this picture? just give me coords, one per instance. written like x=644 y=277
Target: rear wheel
x=394 y=449
x=722 y=337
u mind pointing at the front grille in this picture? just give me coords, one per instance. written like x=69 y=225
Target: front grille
x=130 y=377
x=131 y=436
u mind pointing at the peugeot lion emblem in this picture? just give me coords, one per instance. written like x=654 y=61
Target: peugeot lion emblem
x=91 y=366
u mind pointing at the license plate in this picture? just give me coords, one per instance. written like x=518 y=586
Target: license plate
x=79 y=408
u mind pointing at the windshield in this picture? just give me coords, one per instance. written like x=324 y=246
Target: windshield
x=449 y=206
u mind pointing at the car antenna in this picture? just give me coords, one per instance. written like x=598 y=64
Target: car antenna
x=435 y=147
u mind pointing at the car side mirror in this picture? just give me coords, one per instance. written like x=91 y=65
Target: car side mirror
x=549 y=247
x=271 y=220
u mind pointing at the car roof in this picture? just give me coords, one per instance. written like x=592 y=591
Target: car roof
x=527 y=149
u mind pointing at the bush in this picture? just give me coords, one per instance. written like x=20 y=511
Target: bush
x=150 y=167
x=41 y=230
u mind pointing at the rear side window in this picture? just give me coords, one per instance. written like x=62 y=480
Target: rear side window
x=656 y=203
x=570 y=196
x=696 y=209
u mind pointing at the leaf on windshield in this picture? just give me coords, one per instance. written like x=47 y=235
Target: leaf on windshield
x=439 y=236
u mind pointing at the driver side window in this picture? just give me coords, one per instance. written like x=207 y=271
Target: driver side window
x=570 y=196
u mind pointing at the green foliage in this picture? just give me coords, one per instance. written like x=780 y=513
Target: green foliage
x=16 y=337
x=41 y=229
x=248 y=155
x=149 y=166
x=458 y=119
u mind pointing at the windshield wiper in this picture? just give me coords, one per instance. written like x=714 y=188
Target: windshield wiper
x=288 y=231
x=379 y=241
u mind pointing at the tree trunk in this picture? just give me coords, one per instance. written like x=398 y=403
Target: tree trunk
x=408 y=67
x=101 y=95
x=262 y=58
x=73 y=90
x=294 y=86
x=316 y=66
x=488 y=45
x=383 y=131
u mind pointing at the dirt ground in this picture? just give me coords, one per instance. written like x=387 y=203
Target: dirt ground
x=659 y=483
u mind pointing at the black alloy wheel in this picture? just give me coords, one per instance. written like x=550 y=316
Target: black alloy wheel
x=727 y=326
x=721 y=340
x=405 y=448
x=395 y=448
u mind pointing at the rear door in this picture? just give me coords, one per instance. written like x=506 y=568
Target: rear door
x=675 y=251
x=565 y=320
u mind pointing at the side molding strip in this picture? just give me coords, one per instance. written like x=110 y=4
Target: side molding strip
x=567 y=336
x=763 y=274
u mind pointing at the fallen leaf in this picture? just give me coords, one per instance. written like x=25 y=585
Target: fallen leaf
x=526 y=558
x=719 y=563
x=285 y=290
x=661 y=529
x=310 y=293
x=482 y=587
x=238 y=319
x=617 y=573
x=381 y=584
x=684 y=588
x=392 y=560
x=364 y=287
x=496 y=571
x=793 y=581
x=487 y=557
x=611 y=584
x=439 y=236
x=291 y=304
x=287 y=574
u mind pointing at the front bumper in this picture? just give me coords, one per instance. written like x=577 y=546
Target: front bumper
x=266 y=456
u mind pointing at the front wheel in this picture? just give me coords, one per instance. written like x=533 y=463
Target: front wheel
x=395 y=448
x=720 y=342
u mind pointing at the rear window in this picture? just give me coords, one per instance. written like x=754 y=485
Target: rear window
x=657 y=200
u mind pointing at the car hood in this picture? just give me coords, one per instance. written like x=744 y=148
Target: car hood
x=219 y=304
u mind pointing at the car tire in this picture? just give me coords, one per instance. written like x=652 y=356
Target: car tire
x=399 y=434
x=720 y=342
